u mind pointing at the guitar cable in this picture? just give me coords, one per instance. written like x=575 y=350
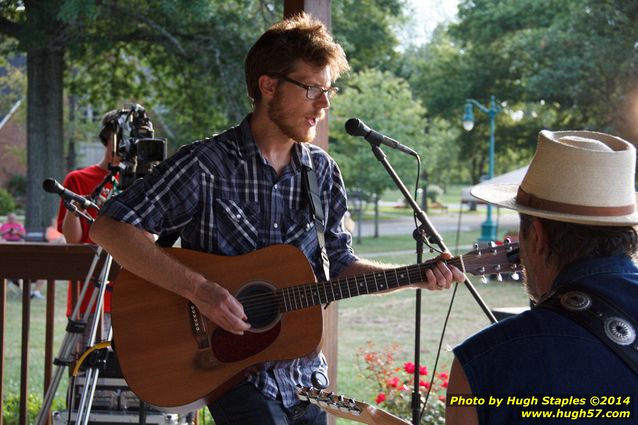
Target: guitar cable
x=86 y=353
x=438 y=351
x=70 y=394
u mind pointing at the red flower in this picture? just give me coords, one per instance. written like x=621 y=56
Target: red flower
x=380 y=398
x=424 y=384
x=444 y=384
x=408 y=367
x=393 y=382
x=404 y=388
x=444 y=376
x=442 y=398
x=423 y=370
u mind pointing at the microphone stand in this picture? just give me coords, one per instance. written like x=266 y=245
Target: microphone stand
x=425 y=231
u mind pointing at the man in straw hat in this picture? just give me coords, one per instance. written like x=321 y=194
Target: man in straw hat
x=577 y=205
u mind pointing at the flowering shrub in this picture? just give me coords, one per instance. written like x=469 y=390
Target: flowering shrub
x=394 y=384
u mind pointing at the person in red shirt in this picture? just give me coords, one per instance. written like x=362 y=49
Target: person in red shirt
x=12 y=231
x=83 y=182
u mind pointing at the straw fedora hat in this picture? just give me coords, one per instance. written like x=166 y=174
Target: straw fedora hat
x=575 y=176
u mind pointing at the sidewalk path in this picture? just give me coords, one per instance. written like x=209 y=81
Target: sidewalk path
x=442 y=223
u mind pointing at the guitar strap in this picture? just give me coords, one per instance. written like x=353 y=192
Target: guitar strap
x=599 y=316
x=309 y=177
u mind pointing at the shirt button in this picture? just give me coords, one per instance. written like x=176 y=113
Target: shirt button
x=275 y=187
x=238 y=216
x=275 y=225
x=307 y=226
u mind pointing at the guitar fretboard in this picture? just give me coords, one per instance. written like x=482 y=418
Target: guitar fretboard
x=312 y=294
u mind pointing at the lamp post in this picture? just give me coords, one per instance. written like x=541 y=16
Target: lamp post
x=488 y=228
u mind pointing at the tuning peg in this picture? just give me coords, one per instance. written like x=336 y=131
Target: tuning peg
x=516 y=276
x=491 y=244
x=483 y=279
x=324 y=399
x=477 y=249
x=507 y=241
x=499 y=277
x=302 y=392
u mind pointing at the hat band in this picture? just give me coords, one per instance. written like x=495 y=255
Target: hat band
x=535 y=202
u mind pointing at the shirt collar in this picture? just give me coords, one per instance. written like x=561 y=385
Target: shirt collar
x=589 y=267
x=245 y=142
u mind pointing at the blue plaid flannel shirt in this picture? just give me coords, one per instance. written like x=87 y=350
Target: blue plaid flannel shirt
x=223 y=197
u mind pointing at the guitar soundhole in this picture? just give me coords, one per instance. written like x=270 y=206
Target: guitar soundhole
x=260 y=305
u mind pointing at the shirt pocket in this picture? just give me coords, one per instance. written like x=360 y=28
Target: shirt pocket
x=237 y=225
x=300 y=230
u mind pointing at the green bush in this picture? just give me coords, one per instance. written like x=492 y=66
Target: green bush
x=11 y=409
x=434 y=193
x=17 y=186
x=7 y=202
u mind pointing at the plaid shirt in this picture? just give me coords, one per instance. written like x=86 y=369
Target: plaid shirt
x=223 y=197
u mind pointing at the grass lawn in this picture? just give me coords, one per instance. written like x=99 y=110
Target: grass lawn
x=380 y=319
x=390 y=319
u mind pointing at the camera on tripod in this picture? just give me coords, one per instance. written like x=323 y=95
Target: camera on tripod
x=139 y=151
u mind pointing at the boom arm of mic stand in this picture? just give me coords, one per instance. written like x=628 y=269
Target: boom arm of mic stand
x=425 y=230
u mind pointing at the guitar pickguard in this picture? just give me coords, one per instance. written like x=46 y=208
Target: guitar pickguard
x=230 y=348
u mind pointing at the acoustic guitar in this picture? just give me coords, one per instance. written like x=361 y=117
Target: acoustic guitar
x=348 y=408
x=172 y=357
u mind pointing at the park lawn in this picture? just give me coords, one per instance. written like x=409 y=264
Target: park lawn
x=390 y=319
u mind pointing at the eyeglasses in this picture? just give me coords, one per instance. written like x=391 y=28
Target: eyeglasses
x=312 y=92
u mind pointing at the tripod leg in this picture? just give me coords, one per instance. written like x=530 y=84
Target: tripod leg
x=69 y=343
x=92 y=374
x=86 y=400
x=75 y=330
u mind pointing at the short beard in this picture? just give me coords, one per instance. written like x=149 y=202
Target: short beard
x=278 y=116
x=530 y=287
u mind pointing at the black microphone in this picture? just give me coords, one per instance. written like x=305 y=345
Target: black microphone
x=356 y=127
x=52 y=186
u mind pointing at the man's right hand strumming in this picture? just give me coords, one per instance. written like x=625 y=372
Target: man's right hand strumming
x=219 y=306
x=135 y=251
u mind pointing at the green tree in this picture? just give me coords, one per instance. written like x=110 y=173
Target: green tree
x=183 y=60
x=579 y=57
x=365 y=28
x=563 y=64
x=385 y=103
x=115 y=49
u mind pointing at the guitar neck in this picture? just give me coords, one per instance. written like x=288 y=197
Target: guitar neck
x=348 y=408
x=312 y=294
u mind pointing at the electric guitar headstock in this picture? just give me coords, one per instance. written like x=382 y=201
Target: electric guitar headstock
x=493 y=259
x=348 y=408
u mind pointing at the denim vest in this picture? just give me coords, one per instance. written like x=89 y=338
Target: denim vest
x=540 y=353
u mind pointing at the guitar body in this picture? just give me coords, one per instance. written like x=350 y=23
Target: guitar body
x=155 y=331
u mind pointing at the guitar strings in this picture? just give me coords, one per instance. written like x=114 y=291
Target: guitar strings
x=345 y=287
x=264 y=302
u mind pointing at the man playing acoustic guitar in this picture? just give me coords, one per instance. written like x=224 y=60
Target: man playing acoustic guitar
x=242 y=191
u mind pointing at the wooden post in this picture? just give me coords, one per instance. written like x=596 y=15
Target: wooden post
x=320 y=9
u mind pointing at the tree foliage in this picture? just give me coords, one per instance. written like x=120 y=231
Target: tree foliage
x=564 y=63
x=183 y=60
x=385 y=103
